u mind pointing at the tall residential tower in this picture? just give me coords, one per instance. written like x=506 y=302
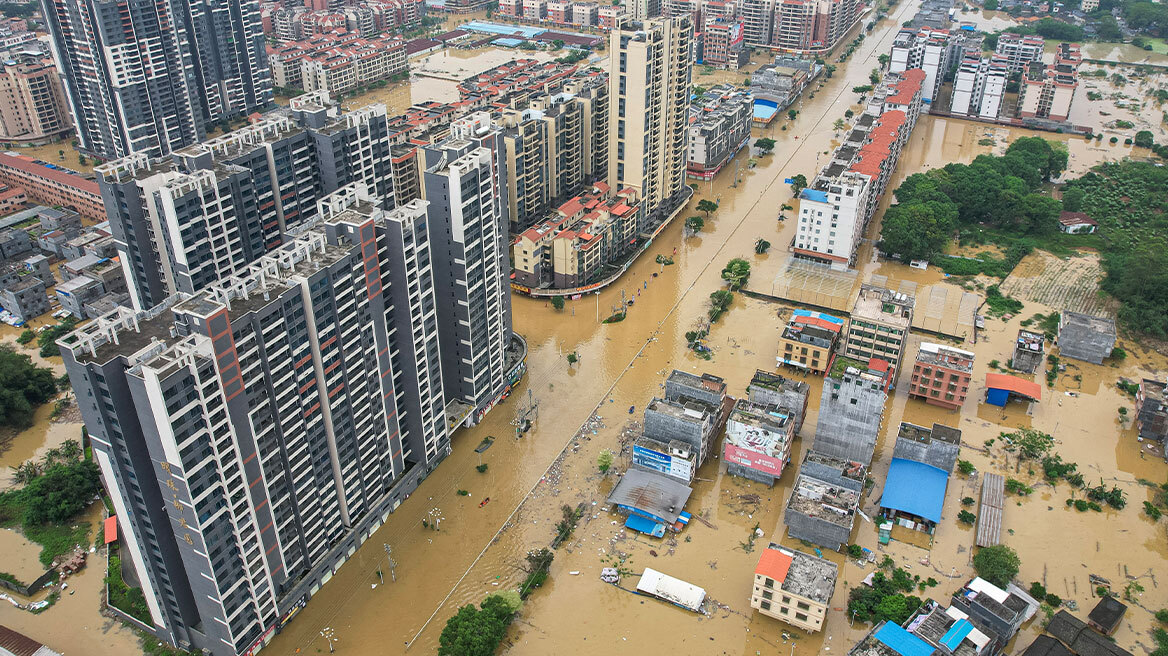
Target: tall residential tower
x=151 y=77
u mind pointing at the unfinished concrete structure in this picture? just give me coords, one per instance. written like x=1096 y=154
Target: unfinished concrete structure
x=706 y=388
x=851 y=408
x=938 y=446
x=772 y=389
x=823 y=504
x=1085 y=336
x=793 y=586
x=1029 y=349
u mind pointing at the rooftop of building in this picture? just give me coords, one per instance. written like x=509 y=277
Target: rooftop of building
x=820 y=500
x=1107 y=613
x=707 y=382
x=777 y=383
x=1000 y=603
x=51 y=171
x=1030 y=341
x=890 y=639
x=684 y=410
x=656 y=494
x=1079 y=325
x=884 y=306
x=950 y=628
x=945 y=356
x=925 y=435
x=798 y=573
x=1081 y=639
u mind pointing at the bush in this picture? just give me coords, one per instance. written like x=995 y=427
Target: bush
x=476 y=632
x=61 y=493
x=968 y=501
x=1053 y=599
x=1037 y=590
x=998 y=564
x=482 y=469
x=26 y=337
x=23 y=386
x=965 y=467
x=47 y=341
x=855 y=551
x=966 y=517
x=121 y=596
x=1018 y=487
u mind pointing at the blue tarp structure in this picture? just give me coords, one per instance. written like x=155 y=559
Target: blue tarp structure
x=956 y=633
x=765 y=110
x=646 y=526
x=915 y=488
x=488 y=27
x=902 y=642
x=997 y=396
x=507 y=42
x=814 y=194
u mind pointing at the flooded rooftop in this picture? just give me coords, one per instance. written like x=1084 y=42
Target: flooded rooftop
x=809 y=576
x=817 y=499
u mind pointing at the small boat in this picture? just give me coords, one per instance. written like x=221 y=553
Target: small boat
x=484 y=502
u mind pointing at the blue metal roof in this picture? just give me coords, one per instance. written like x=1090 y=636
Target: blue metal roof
x=915 y=488
x=814 y=194
x=764 y=109
x=901 y=641
x=646 y=526
x=956 y=633
x=817 y=315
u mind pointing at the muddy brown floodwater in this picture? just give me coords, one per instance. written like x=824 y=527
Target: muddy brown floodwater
x=480 y=549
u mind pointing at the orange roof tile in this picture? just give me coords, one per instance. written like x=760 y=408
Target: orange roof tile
x=1027 y=388
x=773 y=564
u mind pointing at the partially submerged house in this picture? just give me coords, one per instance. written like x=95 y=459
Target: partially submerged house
x=1107 y=615
x=1085 y=337
x=1002 y=388
x=793 y=586
x=1029 y=350
x=851 y=409
x=823 y=504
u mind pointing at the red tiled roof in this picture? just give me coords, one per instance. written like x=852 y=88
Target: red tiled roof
x=1076 y=218
x=907 y=87
x=26 y=164
x=878 y=365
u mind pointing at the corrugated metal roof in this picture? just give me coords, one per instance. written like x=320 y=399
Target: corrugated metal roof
x=915 y=488
x=676 y=591
x=901 y=641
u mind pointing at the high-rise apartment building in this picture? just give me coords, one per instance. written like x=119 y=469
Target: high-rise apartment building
x=758 y=17
x=212 y=208
x=1048 y=89
x=649 y=90
x=249 y=434
x=465 y=185
x=641 y=10
x=149 y=77
x=1019 y=50
x=32 y=101
x=812 y=26
x=927 y=49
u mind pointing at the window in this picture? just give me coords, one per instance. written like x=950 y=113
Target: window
x=767 y=594
x=769 y=582
x=801 y=616
x=766 y=605
x=803 y=606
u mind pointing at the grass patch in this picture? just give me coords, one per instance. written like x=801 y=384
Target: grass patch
x=56 y=539
x=1000 y=304
x=841 y=365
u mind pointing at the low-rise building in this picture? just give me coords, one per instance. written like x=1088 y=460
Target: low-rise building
x=793 y=586
x=52 y=186
x=1085 y=337
x=952 y=632
x=685 y=421
x=76 y=293
x=18 y=644
x=1107 y=615
x=1067 y=635
x=941 y=375
x=1003 y=611
x=337 y=62
x=938 y=446
x=676 y=458
x=1029 y=351
x=824 y=500
x=1152 y=411
x=1077 y=223
x=13 y=242
x=808 y=341
x=758 y=441
x=776 y=85
x=879 y=326
x=719 y=126
x=26 y=299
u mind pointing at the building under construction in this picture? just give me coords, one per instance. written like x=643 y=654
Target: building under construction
x=823 y=505
x=850 y=410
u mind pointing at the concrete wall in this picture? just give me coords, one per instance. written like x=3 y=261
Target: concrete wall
x=942 y=455
x=816 y=531
x=749 y=473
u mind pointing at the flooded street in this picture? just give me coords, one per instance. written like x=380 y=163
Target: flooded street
x=479 y=549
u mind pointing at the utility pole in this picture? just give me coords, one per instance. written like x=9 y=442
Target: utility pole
x=392 y=564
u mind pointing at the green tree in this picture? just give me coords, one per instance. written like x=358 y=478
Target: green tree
x=510 y=600
x=558 y=302
x=990 y=5
x=604 y=461
x=736 y=272
x=47 y=340
x=1039 y=214
x=706 y=206
x=997 y=564
x=476 y=632
x=26 y=337
x=798 y=183
x=60 y=493
x=1108 y=29
x=917 y=231
x=23 y=386
x=1030 y=443
x=1144 y=139
x=719 y=303
x=883 y=59
x=694 y=224
x=838 y=125
x=761 y=246
x=1073 y=199
x=765 y=145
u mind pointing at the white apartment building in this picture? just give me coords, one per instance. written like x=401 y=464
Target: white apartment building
x=926 y=49
x=1019 y=50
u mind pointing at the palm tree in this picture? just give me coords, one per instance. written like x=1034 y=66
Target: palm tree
x=71 y=450
x=761 y=246
x=25 y=472
x=51 y=457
